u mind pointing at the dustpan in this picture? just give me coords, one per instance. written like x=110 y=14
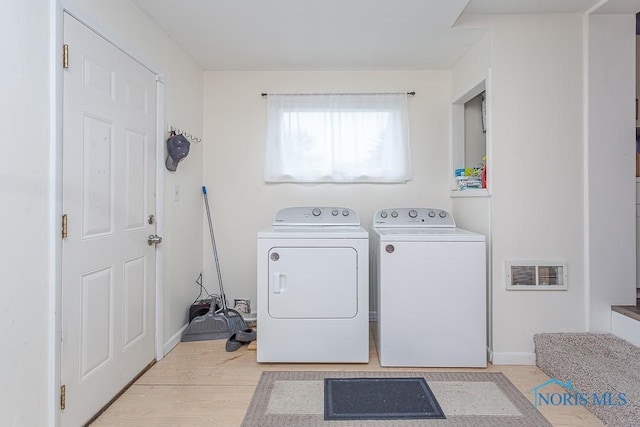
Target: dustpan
x=215 y=324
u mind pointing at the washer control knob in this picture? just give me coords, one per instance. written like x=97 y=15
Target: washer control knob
x=394 y=214
x=345 y=213
x=383 y=214
x=316 y=212
x=442 y=214
x=334 y=212
x=413 y=213
x=389 y=249
x=432 y=214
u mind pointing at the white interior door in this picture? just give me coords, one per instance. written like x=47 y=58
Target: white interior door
x=108 y=267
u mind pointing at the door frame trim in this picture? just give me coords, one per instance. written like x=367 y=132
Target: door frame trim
x=56 y=13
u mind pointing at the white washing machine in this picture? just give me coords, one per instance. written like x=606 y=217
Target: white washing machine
x=428 y=290
x=313 y=287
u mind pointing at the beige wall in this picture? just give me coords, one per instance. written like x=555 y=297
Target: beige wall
x=537 y=164
x=472 y=66
x=610 y=154
x=25 y=313
x=243 y=204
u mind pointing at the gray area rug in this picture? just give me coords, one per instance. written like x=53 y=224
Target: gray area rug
x=595 y=363
x=469 y=399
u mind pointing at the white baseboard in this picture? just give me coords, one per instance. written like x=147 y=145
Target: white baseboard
x=174 y=340
x=513 y=358
x=626 y=328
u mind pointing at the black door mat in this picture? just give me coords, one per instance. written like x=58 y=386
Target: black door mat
x=379 y=399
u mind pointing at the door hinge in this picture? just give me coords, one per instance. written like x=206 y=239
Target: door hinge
x=63 y=396
x=64 y=226
x=65 y=56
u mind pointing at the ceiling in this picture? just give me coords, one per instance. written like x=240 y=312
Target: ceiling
x=338 y=34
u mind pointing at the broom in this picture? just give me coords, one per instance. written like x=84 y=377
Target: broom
x=220 y=324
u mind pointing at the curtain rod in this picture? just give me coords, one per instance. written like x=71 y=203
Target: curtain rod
x=381 y=93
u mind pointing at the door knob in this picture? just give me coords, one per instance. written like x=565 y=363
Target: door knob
x=154 y=239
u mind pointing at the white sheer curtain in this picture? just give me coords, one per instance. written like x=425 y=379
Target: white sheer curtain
x=337 y=138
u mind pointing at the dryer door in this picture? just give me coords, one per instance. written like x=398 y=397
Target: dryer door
x=313 y=283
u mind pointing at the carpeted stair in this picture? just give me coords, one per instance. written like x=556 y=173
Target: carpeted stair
x=595 y=363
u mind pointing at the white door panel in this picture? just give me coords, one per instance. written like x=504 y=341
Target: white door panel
x=108 y=178
x=437 y=288
x=313 y=283
x=96 y=320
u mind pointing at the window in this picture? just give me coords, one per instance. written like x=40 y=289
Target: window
x=337 y=138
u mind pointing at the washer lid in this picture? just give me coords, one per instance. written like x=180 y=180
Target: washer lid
x=314 y=232
x=415 y=234
x=316 y=216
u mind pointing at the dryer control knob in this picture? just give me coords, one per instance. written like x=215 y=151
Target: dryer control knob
x=432 y=214
x=383 y=214
x=413 y=213
x=316 y=212
x=334 y=212
x=442 y=214
x=345 y=213
x=389 y=249
x=394 y=214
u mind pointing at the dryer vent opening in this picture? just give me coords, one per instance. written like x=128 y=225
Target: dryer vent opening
x=536 y=275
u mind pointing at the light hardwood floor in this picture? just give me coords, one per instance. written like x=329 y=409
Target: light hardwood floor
x=200 y=384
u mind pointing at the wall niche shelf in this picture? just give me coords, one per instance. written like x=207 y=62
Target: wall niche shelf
x=472 y=192
x=470 y=137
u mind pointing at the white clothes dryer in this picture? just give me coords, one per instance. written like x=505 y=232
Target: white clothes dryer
x=313 y=287
x=428 y=290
